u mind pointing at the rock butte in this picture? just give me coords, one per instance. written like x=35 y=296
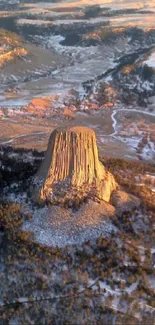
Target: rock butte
x=71 y=169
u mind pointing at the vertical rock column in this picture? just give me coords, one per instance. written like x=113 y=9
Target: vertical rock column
x=71 y=168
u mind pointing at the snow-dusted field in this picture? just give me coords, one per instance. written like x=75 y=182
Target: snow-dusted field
x=55 y=69
x=36 y=89
x=59 y=227
x=151 y=61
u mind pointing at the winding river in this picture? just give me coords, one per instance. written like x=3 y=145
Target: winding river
x=113 y=121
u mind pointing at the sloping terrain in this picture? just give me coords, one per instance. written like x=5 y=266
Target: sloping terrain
x=111 y=275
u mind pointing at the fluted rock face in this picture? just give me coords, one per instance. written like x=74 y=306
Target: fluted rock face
x=71 y=168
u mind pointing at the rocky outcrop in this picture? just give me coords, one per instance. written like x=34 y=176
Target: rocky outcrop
x=71 y=169
x=124 y=201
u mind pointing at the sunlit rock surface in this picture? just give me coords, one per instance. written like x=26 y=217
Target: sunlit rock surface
x=71 y=169
x=124 y=201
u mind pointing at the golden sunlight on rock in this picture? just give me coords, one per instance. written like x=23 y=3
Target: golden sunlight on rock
x=71 y=168
x=11 y=47
x=68 y=114
x=11 y=55
x=39 y=106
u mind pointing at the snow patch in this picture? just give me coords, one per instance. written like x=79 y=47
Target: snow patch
x=150 y=62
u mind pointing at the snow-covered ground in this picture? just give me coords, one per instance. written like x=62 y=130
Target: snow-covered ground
x=66 y=68
x=56 y=226
x=151 y=61
x=33 y=22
